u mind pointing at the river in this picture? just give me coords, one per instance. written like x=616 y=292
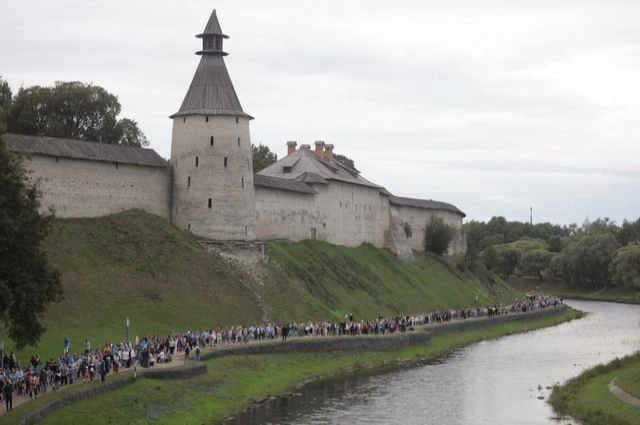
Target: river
x=504 y=381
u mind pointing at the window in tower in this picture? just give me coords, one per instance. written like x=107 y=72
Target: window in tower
x=237 y=120
x=209 y=203
x=184 y=119
x=242 y=182
x=238 y=141
x=225 y=161
x=211 y=141
x=188 y=181
x=206 y=118
x=196 y=161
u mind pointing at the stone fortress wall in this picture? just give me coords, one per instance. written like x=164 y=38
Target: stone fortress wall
x=76 y=187
x=339 y=213
x=209 y=187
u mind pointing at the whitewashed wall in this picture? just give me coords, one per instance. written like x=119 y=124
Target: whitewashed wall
x=81 y=188
x=417 y=218
x=222 y=173
x=339 y=213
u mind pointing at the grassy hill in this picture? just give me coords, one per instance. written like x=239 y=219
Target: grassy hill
x=138 y=266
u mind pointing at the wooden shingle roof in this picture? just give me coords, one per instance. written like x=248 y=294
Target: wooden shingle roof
x=282 y=184
x=79 y=149
x=427 y=204
x=211 y=91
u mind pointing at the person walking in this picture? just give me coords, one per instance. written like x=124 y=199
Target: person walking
x=7 y=393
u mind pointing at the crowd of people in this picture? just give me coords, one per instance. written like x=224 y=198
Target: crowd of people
x=38 y=376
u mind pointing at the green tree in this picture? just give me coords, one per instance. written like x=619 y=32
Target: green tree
x=555 y=244
x=129 y=134
x=5 y=102
x=437 y=236
x=27 y=282
x=490 y=258
x=347 y=162
x=625 y=265
x=73 y=110
x=508 y=259
x=535 y=261
x=262 y=157
x=629 y=232
x=585 y=261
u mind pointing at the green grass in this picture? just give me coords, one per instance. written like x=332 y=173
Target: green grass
x=588 y=399
x=135 y=265
x=629 y=380
x=365 y=281
x=234 y=382
x=139 y=266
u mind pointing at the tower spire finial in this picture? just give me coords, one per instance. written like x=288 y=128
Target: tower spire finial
x=212 y=37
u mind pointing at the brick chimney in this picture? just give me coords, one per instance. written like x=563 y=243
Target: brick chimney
x=319 y=149
x=291 y=147
x=328 y=152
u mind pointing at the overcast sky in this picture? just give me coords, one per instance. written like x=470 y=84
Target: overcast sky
x=494 y=106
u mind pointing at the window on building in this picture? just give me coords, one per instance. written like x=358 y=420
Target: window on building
x=206 y=118
x=313 y=233
x=209 y=203
x=211 y=141
x=225 y=161
x=238 y=141
x=237 y=120
x=242 y=182
x=286 y=169
x=196 y=161
x=116 y=165
x=188 y=181
x=184 y=119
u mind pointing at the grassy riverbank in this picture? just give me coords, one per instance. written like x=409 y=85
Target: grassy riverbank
x=589 y=399
x=612 y=293
x=138 y=266
x=235 y=382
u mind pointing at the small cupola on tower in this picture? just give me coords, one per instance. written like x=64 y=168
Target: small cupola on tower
x=212 y=37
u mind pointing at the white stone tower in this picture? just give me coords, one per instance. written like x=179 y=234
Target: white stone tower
x=213 y=193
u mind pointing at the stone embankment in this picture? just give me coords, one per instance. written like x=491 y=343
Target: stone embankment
x=420 y=336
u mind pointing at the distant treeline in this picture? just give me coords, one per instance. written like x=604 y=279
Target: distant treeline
x=593 y=255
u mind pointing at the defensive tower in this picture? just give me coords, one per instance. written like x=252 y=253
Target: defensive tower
x=213 y=192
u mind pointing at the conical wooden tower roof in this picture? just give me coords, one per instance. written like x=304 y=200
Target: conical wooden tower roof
x=211 y=91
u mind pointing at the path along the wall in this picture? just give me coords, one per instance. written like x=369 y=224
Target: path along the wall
x=178 y=370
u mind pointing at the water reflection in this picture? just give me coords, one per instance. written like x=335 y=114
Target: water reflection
x=492 y=382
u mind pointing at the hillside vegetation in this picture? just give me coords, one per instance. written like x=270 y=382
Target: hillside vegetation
x=138 y=266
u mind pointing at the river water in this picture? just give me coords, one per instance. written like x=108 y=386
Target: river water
x=505 y=381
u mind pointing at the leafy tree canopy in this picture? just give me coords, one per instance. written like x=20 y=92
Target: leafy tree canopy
x=5 y=102
x=347 y=162
x=585 y=261
x=72 y=110
x=27 y=282
x=437 y=236
x=262 y=157
x=625 y=265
